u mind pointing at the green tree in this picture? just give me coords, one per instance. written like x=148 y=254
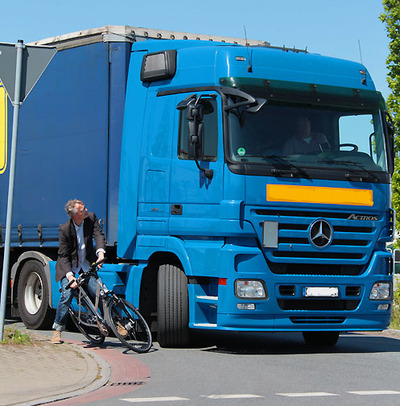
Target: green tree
x=391 y=18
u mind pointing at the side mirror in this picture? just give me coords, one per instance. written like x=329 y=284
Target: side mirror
x=396 y=256
x=196 y=108
x=390 y=132
x=194 y=117
x=196 y=131
x=195 y=114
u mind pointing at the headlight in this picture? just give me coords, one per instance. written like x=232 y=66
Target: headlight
x=250 y=289
x=381 y=291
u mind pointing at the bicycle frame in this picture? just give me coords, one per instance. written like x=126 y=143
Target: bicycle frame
x=100 y=295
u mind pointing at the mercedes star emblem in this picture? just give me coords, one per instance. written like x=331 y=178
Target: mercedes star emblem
x=320 y=233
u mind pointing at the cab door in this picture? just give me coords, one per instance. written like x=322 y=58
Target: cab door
x=196 y=175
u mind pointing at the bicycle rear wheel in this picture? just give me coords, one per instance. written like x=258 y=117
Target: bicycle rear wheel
x=128 y=325
x=85 y=321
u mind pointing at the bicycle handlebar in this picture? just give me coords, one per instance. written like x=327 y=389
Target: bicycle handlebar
x=96 y=264
x=84 y=275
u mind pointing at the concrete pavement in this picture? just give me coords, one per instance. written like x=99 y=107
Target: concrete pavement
x=72 y=373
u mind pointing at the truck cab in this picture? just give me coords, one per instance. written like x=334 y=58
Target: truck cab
x=263 y=188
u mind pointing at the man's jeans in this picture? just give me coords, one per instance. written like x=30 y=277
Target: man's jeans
x=65 y=301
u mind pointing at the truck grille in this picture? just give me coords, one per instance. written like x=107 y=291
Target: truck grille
x=347 y=253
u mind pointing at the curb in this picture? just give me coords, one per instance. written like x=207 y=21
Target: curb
x=101 y=372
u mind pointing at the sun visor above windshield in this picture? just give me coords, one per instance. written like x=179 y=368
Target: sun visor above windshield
x=307 y=93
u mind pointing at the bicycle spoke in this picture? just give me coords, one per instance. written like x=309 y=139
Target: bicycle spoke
x=128 y=325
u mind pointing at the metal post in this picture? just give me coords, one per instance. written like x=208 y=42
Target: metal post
x=17 y=99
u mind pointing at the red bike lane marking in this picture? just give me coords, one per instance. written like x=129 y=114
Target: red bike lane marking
x=127 y=375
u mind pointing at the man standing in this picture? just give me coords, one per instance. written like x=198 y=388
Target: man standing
x=75 y=254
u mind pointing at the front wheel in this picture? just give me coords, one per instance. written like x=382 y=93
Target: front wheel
x=33 y=296
x=128 y=325
x=172 y=307
x=85 y=321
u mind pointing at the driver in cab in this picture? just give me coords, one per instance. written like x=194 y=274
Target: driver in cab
x=305 y=141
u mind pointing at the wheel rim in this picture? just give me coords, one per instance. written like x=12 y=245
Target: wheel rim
x=33 y=293
x=138 y=335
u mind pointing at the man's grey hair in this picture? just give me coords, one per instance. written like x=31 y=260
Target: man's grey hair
x=70 y=207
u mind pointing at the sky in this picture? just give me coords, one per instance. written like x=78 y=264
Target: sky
x=339 y=28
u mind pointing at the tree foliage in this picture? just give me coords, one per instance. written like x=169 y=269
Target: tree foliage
x=391 y=18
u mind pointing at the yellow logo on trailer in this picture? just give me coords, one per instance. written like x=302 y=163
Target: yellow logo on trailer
x=3 y=129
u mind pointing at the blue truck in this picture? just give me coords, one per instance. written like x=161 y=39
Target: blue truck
x=180 y=144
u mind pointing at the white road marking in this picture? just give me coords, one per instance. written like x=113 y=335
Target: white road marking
x=156 y=399
x=374 y=392
x=250 y=396
x=233 y=396
x=306 y=394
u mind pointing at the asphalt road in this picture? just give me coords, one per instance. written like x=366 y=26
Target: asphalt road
x=272 y=369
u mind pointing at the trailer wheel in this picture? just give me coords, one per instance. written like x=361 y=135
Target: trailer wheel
x=172 y=307
x=33 y=296
x=321 y=338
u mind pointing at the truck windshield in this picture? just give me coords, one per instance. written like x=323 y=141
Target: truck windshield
x=304 y=134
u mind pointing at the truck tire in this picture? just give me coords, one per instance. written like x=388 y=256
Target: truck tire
x=172 y=307
x=321 y=338
x=33 y=296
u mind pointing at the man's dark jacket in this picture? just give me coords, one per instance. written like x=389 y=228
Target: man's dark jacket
x=68 y=244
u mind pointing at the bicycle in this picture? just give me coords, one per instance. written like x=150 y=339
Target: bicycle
x=120 y=316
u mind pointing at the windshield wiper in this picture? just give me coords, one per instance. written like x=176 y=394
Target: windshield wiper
x=291 y=171
x=366 y=176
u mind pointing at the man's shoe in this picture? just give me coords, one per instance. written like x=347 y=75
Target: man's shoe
x=56 y=339
x=121 y=330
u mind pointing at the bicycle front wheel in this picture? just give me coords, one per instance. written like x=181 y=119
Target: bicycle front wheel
x=128 y=325
x=86 y=321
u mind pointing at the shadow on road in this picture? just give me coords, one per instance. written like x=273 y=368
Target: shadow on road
x=271 y=343
x=293 y=343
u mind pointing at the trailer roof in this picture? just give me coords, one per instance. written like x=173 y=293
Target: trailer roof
x=121 y=33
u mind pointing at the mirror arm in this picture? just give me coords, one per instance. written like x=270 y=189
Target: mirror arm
x=208 y=173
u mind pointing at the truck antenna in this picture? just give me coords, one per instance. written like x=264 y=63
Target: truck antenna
x=359 y=49
x=249 y=68
x=363 y=72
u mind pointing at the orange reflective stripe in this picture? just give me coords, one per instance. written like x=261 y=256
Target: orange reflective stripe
x=321 y=195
